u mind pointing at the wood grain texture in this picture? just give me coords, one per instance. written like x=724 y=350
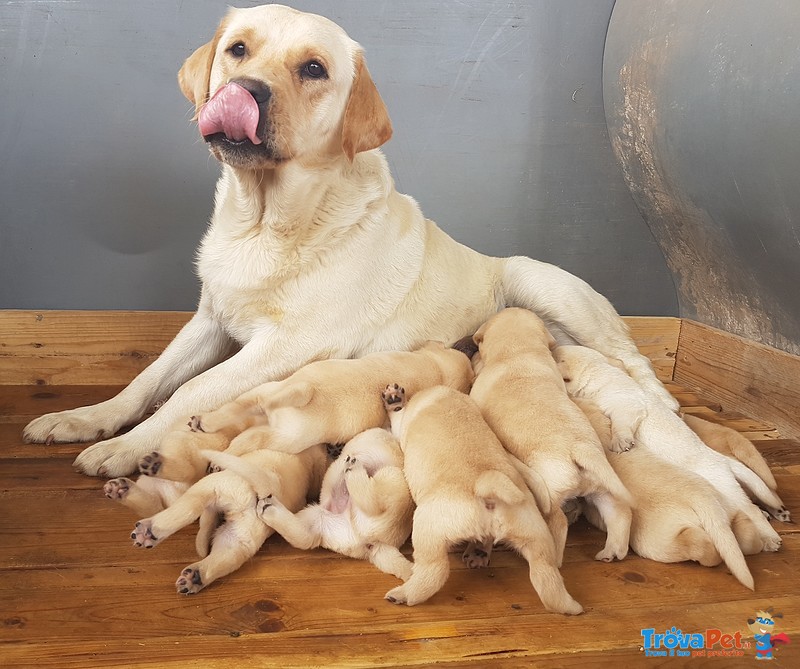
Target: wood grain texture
x=741 y=375
x=75 y=594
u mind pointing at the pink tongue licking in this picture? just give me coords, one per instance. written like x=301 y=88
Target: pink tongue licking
x=232 y=111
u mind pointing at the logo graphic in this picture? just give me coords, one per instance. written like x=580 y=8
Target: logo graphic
x=763 y=627
x=676 y=643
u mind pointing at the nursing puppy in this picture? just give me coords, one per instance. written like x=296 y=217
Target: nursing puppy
x=331 y=401
x=311 y=253
x=364 y=508
x=465 y=488
x=661 y=431
x=730 y=443
x=233 y=494
x=522 y=397
x=677 y=515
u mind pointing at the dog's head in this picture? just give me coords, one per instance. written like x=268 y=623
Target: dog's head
x=275 y=85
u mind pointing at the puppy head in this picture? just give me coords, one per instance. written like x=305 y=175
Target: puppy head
x=275 y=85
x=511 y=330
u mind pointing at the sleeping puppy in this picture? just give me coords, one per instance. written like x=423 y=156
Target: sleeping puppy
x=364 y=508
x=677 y=515
x=465 y=488
x=232 y=494
x=522 y=397
x=306 y=228
x=331 y=401
x=730 y=443
x=661 y=431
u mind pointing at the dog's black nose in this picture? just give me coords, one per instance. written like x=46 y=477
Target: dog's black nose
x=258 y=89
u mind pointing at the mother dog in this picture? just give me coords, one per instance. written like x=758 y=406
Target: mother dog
x=311 y=253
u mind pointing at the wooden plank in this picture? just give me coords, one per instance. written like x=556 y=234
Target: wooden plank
x=741 y=375
x=82 y=347
x=111 y=347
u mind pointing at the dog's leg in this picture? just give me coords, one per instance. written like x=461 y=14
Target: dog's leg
x=617 y=519
x=558 y=525
x=235 y=417
x=199 y=345
x=128 y=493
x=563 y=299
x=302 y=529
x=390 y=560
x=478 y=553
x=149 y=532
x=527 y=533
x=394 y=401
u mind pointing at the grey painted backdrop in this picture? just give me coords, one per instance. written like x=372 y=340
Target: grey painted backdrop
x=500 y=134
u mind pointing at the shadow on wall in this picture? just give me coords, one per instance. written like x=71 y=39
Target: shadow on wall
x=702 y=106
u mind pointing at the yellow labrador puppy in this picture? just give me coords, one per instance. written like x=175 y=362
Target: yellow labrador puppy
x=522 y=396
x=661 y=431
x=465 y=488
x=364 y=508
x=232 y=494
x=311 y=252
x=677 y=515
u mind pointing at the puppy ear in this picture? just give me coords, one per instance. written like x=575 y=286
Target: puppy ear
x=552 y=344
x=478 y=336
x=366 y=122
x=195 y=75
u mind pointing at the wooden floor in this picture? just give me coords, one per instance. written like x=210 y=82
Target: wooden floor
x=74 y=593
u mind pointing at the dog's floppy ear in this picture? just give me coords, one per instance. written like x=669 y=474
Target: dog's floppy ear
x=366 y=122
x=195 y=74
x=478 y=336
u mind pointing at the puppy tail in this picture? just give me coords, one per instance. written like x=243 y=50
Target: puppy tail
x=496 y=486
x=751 y=482
x=536 y=483
x=296 y=394
x=713 y=521
x=595 y=464
x=263 y=482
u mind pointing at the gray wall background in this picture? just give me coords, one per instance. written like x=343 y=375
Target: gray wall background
x=500 y=134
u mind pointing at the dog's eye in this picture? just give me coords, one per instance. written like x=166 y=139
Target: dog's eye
x=238 y=50
x=313 y=70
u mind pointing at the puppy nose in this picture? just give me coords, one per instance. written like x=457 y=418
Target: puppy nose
x=258 y=89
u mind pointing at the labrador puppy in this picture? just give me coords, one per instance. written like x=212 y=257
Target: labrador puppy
x=311 y=253
x=730 y=443
x=465 y=488
x=661 y=431
x=231 y=494
x=677 y=515
x=522 y=397
x=364 y=508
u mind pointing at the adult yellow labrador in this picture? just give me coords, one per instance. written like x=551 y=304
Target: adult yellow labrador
x=311 y=252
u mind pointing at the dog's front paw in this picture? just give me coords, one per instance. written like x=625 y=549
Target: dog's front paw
x=213 y=469
x=783 y=514
x=397 y=595
x=190 y=582
x=150 y=464
x=196 y=424
x=267 y=505
x=620 y=444
x=115 y=457
x=394 y=397
x=75 y=425
x=117 y=489
x=475 y=557
x=142 y=534
x=350 y=464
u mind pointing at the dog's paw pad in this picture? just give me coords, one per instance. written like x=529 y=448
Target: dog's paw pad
x=475 y=558
x=265 y=503
x=195 y=424
x=334 y=450
x=394 y=397
x=783 y=514
x=189 y=582
x=212 y=468
x=396 y=595
x=117 y=488
x=143 y=536
x=150 y=464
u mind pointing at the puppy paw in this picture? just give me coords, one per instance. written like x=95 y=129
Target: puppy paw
x=609 y=555
x=772 y=544
x=142 y=534
x=268 y=505
x=621 y=444
x=334 y=450
x=213 y=469
x=195 y=424
x=190 y=582
x=394 y=397
x=397 y=595
x=572 y=508
x=475 y=557
x=117 y=489
x=150 y=464
x=783 y=514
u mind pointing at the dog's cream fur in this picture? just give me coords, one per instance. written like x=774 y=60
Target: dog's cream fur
x=465 y=487
x=233 y=493
x=522 y=396
x=677 y=515
x=729 y=442
x=661 y=431
x=312 y=253
x=364 y=508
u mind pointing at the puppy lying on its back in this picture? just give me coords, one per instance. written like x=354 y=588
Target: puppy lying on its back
x=522 y=397
x=588 y=374
x=233 y=493
x=364 y=508
x=677 y=515
x=465 y=488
